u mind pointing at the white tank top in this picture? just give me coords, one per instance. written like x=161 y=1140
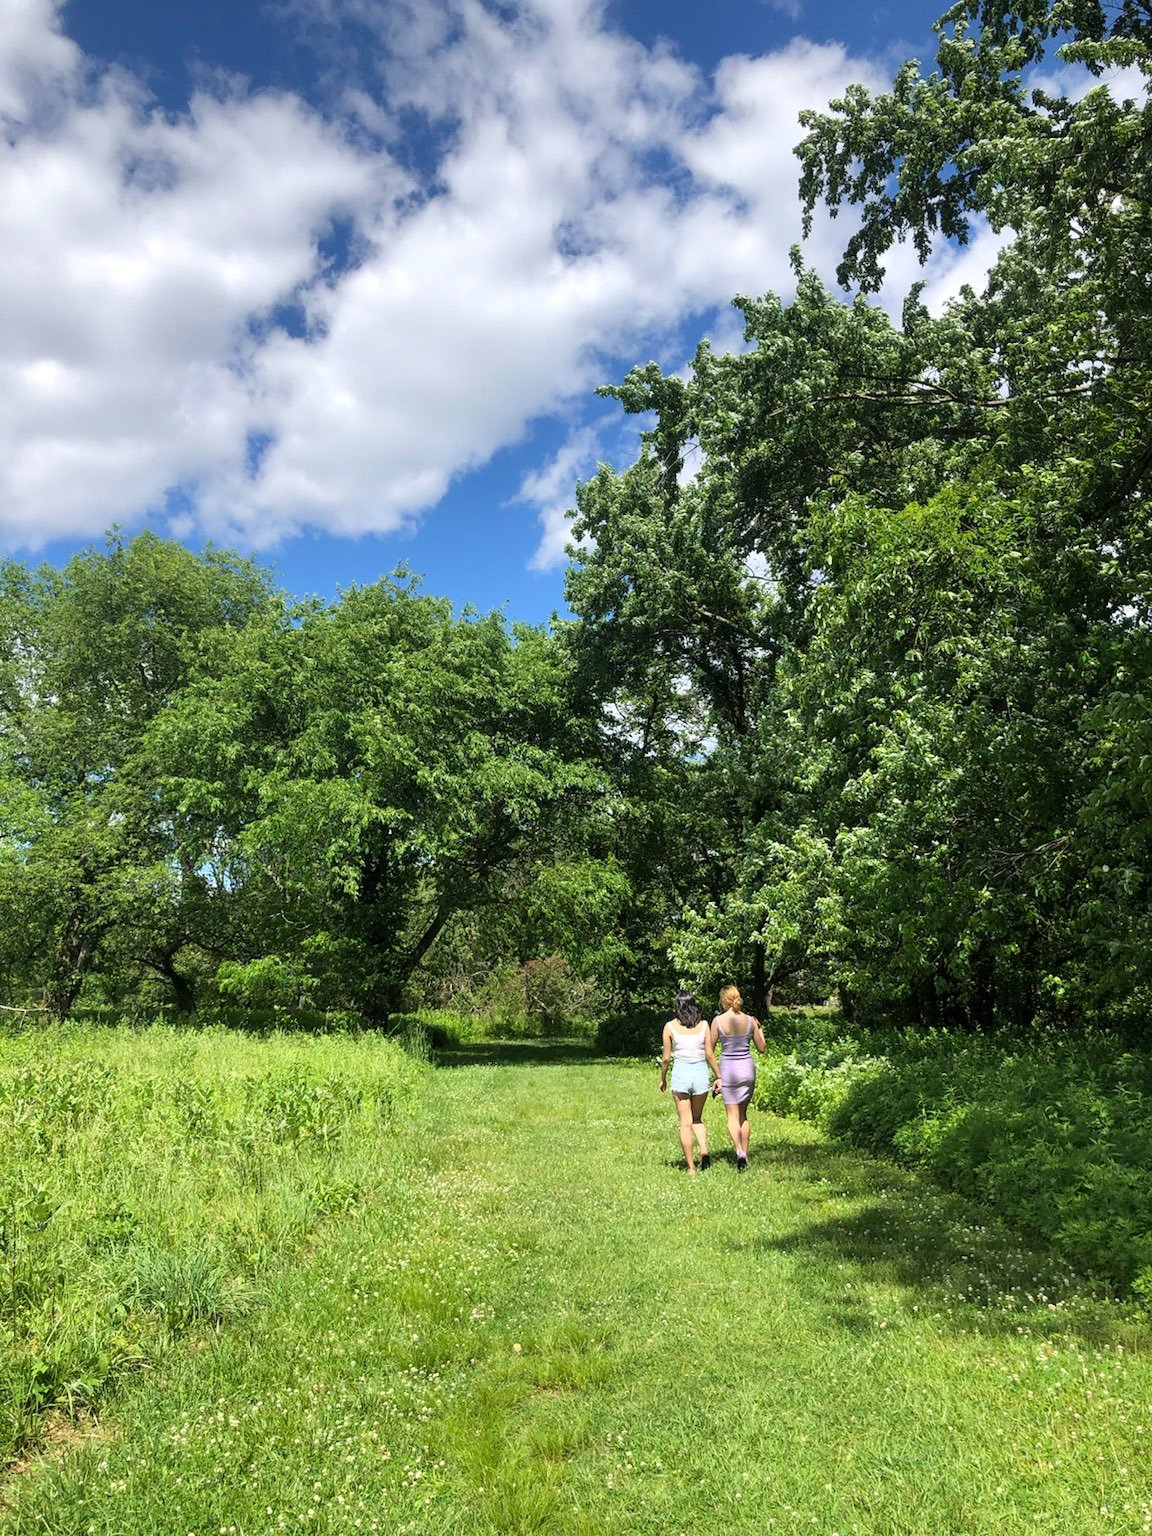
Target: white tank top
x=689 y=1047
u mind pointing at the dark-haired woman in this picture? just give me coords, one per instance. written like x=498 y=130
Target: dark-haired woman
x=735 y=1032
x=689 y=1051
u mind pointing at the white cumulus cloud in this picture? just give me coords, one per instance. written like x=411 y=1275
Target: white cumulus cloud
x=184 y=339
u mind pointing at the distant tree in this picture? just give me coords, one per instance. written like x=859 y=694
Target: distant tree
x=352 y=776
x=93 y=654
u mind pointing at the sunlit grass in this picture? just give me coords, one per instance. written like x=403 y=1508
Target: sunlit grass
x=151 y=1181
x=536 y=1322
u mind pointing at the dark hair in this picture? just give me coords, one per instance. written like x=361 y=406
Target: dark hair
x=686 y=1010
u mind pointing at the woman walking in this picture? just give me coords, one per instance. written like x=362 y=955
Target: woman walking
x=735 y=1032
x=688 y=1048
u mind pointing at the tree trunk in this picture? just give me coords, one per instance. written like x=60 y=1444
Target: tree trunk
x=182 y=990
x=928 y=1002
x=73 y=957
x=982 y=1005
x=61 y=994
x=386 y=999
x=760 y=999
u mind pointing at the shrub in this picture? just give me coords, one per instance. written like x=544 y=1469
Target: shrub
x=1054 y=1131
x=632 y=1032
x=539 y=998
x=439 y=1028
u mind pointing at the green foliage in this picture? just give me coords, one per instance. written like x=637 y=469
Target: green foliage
x=212 y=797
x=1052 y=1131
x=272 y=981
x=634 y=1031
x=877 y=669
x=90 y=865
x=436 y=1027
x=356 y=778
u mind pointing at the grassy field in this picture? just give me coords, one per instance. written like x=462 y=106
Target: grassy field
x=153 y=1181
x=531 y=1319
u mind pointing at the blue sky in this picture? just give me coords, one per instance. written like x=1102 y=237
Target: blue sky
x=333 y=282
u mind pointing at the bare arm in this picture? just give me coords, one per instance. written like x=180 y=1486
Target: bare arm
x=666 y=1057
x=710 y=1050
x=714 y=1037
x=758 y=1036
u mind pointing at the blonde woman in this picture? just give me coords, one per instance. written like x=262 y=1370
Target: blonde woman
x=735 y=1032
x=688 y=1048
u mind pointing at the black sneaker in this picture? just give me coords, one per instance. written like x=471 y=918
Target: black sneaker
x=705 y=1160
x=741 y=1165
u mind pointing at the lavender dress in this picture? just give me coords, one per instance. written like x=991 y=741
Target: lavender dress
x=737 y=1069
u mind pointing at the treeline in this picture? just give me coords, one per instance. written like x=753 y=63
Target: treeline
x=217 y=796
x=858 y=693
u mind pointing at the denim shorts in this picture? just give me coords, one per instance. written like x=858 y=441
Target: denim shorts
x=689 y=1077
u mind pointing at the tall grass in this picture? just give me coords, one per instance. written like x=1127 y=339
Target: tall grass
x=152 y=1178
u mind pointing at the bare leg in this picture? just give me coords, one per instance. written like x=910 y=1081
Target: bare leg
x=684 y=1104
x=742 y=1149
x=698 y=1102
x=732 y=1111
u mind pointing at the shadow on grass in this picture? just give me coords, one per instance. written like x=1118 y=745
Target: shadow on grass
x=518 y=1053
x=876 y=1225
x=723 y=1165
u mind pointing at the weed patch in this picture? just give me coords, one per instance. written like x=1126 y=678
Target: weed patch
x=152 y=1181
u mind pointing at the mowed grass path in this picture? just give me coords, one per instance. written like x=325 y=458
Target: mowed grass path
x=540 y=1323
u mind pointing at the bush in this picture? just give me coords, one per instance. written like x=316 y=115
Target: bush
x=632 y=1032
x=437 y=1028
x=1054 y=1131
x=538 y=999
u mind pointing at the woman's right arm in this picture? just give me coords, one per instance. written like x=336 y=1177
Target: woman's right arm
x=758 y=1036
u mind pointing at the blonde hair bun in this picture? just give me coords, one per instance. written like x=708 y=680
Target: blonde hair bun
x=730 y=998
